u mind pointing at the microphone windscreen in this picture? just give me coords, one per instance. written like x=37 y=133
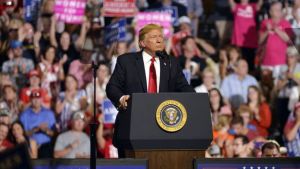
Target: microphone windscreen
x=159 y=54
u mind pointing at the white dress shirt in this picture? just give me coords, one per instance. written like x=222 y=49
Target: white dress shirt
x=147 y=62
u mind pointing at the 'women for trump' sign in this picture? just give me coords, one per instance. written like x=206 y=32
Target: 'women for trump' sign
x=70 y=11
x=161 y=18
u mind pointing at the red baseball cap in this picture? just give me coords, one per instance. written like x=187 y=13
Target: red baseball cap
x=33 y=73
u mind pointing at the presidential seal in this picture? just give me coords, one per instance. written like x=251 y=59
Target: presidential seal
x=171 y=115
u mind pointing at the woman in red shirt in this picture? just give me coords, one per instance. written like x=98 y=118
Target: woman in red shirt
x=261 y=110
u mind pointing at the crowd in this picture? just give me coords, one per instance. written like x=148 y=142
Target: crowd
x=244 y=54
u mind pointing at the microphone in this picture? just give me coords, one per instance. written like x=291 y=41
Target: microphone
x=162 y=54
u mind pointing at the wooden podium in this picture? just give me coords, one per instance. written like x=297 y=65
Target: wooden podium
x=167 y=159
x=142 y=135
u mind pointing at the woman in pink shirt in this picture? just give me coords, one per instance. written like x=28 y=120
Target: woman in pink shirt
x=275 y=35
x=244 y=33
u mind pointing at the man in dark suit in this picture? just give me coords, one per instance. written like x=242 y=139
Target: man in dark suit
x=144 y=72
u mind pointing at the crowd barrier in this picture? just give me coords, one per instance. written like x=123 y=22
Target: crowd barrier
x=247 y=163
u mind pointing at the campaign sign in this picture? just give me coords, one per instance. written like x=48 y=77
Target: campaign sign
x=115 y=32
x=70 y=11
x=119 y=8
x=31 y=9
x=172 y=10
x=247 y=163
x=160 y=18
x=109 y=111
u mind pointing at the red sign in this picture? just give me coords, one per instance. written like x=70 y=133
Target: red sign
x=119 y=8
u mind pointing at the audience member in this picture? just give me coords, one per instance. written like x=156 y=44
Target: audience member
x=235 y=86
x=73 y=143
x=4 y=142
x=270 y=149
x=10 y=101
x=291 y=77
x=51 y=68
x=244 y=33
x=82 y=68
x=241 y=124
x=17 y=66
x=116 y=49
x=220 y=131
x=274 y=35
x=208 y=81
x=104 y=139
x=240 y=146
x=5 y=117
x=292 y=132
x=101 y=82
x=261 y=110
x=189 y=61
x=18 y=136
x=34 y=83
x=228 y=60
x=69 y=101
x=213 y=151
x=39 y=124
x=217 y=105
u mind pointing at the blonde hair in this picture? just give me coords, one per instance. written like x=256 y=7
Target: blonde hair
x=244 y=108
x=146 y=29
x=208 y=70
x=223 y=120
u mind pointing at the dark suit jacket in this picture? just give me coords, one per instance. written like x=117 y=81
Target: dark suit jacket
x=129 y=77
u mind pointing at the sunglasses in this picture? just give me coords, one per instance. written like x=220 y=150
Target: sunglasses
x=12 y=30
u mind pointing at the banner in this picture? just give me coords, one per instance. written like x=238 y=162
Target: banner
x=109 y=111
x=115 y=32
x=70 y=11
x=160 y=18
x=119 y=8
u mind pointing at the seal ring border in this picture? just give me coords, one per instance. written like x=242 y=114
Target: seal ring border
x=180 y=125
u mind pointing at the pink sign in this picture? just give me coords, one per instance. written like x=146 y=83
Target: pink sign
x=161 y=18
x=119 y=8
x=70 y=11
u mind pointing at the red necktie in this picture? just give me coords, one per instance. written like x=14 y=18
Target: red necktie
x=152 y=87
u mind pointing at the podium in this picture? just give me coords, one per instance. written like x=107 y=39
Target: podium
x=168 y=129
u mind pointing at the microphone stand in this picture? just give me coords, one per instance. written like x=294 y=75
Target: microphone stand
x=93 y=123
x=164 y=56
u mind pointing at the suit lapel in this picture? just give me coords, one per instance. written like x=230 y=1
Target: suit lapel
x=163 y=84
x=141 y=70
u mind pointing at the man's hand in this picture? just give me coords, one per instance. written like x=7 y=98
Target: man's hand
x=81 y=155
x=75 y=144
x=63 y=60
x=123 y=101
x=43 y=127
